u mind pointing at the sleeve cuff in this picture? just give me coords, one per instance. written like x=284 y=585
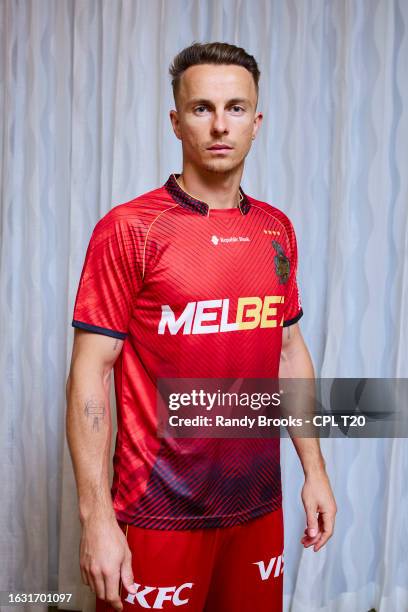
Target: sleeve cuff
x=294 y=319
x=99 y=330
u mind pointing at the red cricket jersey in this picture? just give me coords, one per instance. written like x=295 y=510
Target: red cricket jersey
x=194 y=292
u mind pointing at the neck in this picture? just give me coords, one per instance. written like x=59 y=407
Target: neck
x=218 y=190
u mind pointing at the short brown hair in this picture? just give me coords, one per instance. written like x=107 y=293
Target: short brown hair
x=211 y=53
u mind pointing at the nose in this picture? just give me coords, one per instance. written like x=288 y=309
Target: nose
x=219 y=124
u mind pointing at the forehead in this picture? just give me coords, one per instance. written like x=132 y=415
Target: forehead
x=216 y=82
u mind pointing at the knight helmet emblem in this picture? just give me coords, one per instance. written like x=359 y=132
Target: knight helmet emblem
x=282 y=264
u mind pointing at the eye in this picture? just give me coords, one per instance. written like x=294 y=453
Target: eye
x=236 y=109
x=200 y=109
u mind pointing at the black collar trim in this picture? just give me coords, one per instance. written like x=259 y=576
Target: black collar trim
x=187 y=201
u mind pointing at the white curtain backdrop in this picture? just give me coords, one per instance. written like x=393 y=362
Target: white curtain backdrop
x=84 y=125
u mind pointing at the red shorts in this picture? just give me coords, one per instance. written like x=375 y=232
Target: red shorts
x=227 y=569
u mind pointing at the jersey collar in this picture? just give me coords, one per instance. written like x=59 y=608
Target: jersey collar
x=187 y=201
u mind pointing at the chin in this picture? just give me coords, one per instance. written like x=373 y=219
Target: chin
x=221 y=166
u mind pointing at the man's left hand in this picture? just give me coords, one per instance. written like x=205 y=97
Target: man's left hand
x=320 y=507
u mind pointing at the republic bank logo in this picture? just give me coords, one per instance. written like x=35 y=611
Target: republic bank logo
x=154 y=597
x=213 y=316
x=230 y=239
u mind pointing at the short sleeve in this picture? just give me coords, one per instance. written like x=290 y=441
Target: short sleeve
x=109 y=280
x=293 y=307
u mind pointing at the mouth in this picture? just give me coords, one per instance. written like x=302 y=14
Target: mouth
x=219 y=147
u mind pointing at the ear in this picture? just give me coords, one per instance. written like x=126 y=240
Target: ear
x=257 y=124
x=175 y=123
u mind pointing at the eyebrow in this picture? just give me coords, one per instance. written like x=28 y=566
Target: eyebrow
x=229 y=102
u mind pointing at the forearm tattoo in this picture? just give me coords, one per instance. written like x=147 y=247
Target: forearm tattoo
x=95 y=409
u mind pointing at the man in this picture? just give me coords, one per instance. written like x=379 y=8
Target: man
x=194 y=279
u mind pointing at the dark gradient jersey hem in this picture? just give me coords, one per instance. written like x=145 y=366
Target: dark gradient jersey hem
x=99 y=330
x=294 y=320
x=200 y=522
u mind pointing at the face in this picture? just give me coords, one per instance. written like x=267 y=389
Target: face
x=216 y=118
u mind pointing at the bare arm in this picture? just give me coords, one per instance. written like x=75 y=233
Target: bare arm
x=89 y=422
x=104 y=554
x=295 y=362
x=317 y=495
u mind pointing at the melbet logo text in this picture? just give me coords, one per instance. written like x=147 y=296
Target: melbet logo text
x=213 y=316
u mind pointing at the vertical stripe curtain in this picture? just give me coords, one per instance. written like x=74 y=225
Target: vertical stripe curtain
x=84 y=125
